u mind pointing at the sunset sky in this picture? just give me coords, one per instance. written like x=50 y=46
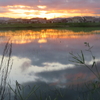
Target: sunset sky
x=49 y=8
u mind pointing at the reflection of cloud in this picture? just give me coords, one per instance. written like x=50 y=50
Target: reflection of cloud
x=47 y=63
x=42 y=41
x=49 y=67
x=25 y=65
x=53 y=56
x=66 y=77
x=57 y=47
x=28 y=36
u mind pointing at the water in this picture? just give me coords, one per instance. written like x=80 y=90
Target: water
x=41 y=57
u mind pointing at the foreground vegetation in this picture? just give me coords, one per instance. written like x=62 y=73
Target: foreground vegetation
x=49 y=25
x=93 y=87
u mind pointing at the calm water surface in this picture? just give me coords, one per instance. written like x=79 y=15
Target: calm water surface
x=42 y=56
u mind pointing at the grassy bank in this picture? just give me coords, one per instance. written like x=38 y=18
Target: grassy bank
x=33 y=25
x=48 y=25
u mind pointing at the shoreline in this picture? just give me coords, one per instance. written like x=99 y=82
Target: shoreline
x=47 y=25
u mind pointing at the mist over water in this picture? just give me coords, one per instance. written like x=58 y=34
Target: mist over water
x=41 y=57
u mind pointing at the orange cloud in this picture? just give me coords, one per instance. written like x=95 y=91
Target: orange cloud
x=25 y=11
x=41 y=7
x=18 y=6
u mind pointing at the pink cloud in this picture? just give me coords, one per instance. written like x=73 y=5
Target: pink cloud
x=53 y=6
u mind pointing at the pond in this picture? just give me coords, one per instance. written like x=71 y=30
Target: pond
x=42 y=57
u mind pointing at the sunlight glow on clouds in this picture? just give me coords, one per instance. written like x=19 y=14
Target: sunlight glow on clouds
x=49 y=8
x=42 y=7
x=19 y=6
x=22 y=11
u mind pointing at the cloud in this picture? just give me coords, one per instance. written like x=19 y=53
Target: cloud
x=56 y=4
x=97 y=11
x=41 y=7
x=3 y=10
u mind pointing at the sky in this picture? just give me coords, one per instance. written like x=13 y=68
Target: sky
x=49 y=8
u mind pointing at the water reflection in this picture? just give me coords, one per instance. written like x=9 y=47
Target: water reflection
x=43 y=56
x=28 y=36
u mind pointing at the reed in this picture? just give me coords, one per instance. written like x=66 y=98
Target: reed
x=92 y=87
x=5 y=68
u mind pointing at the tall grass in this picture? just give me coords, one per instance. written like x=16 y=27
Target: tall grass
x=80 y=59
x=94 y=86
x=20 y=93
x=5 y=68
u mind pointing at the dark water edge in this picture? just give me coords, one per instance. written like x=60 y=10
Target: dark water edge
x=49 y=92
x=49 y=25
x=74 y=29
